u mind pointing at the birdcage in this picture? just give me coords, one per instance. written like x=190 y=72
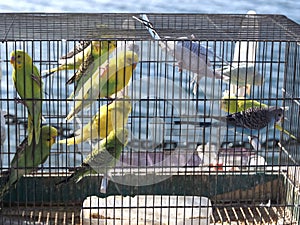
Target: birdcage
x=158 y=119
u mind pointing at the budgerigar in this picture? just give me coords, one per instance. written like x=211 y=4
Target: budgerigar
x=28 y=83
x=82 y=56
x=99 y=54
x=255 y=118
x=108 y=118
x=232 y=104
x=29 y=157
x=110 y=78
x=73 y=59
x=189 y=55
x=103 y=157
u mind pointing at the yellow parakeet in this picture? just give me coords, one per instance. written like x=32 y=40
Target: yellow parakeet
x=108 y=118
x=109 y=78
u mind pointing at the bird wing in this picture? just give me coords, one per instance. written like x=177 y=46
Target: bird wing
x=78 y=48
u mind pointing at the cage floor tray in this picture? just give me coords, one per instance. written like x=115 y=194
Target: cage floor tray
x=144 y=209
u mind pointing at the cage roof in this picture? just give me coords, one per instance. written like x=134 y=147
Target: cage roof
x=89 y=26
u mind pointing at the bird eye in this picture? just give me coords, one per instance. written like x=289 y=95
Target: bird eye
x=18 y=56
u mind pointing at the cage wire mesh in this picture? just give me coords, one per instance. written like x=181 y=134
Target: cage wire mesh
x=171 y=118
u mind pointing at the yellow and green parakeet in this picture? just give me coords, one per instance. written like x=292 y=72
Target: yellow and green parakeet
x=108 y=118
x=233 y=104
x=110 y=78
x=82 y=56
x=28 y=83
x=99 y=54
x=29 y=156
x=103 y=157
x=95 y=57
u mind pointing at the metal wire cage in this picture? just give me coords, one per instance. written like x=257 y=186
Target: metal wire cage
x=210 y=103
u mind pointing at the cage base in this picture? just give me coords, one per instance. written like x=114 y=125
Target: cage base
x=221 y=215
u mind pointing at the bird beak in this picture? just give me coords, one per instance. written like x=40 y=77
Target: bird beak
x=12 y=60
x=53 y=140
x=134 y=65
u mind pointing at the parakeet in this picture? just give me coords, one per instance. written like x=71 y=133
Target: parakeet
x=232 y=104
x=91 y=63
x=195 y=57
x=99 y=53
x=110 y=78
x=189 y=55
x=108 y=118
x=28 y=83
x=255 y=118
x=29 y=157
x=73 y=59
x=81 y=57
x=103 y=157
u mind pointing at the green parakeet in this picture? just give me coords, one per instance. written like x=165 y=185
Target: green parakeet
x=28 y=83
x=103 y=157
x=29 y=157
x=108 y=118
x=108 y=79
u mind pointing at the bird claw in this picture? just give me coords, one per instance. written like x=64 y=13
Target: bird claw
x=19 y=100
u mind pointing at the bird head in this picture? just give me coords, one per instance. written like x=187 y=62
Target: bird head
x=49 y=135
x=101 y=47
x=111 y=45
x=18 y=58
x=278 y=114
x=130 y=58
